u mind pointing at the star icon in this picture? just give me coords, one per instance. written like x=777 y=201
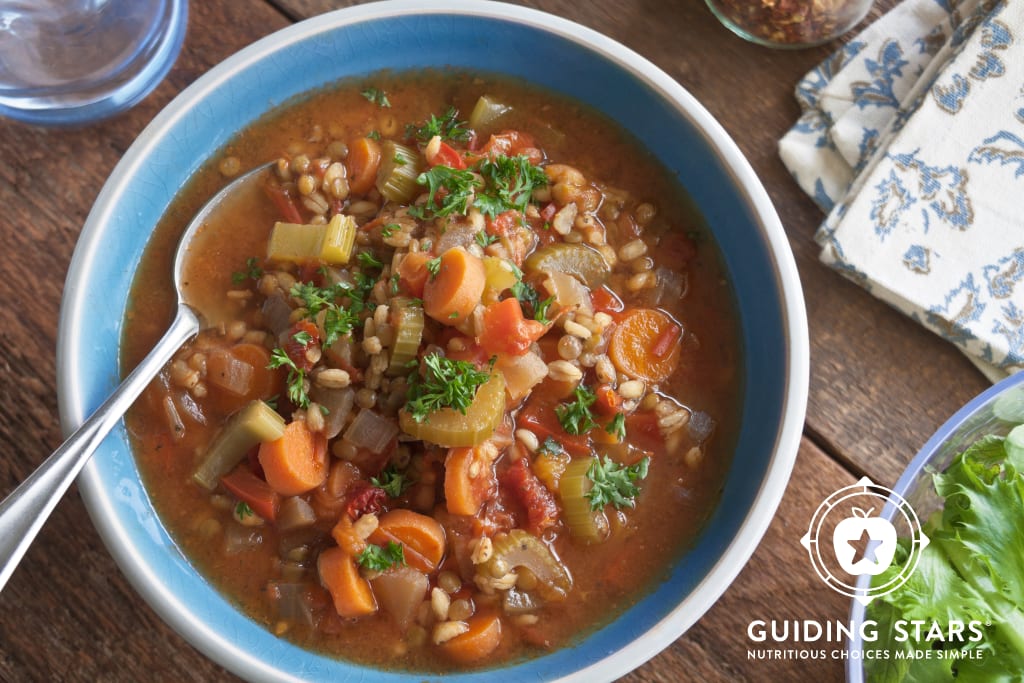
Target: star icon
x=864 y=547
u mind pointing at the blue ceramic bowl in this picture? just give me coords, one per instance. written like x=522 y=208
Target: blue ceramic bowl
x=969 y=424
x=490 y=37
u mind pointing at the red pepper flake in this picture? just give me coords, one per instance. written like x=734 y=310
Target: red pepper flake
x=792 y=22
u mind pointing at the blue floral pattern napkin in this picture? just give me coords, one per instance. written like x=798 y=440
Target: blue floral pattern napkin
x=912 y=141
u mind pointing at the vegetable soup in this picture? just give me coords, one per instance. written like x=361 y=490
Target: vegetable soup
x=470 y=377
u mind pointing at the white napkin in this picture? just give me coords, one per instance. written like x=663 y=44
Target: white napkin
x=912 y=140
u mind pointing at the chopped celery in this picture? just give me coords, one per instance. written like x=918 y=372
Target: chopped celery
x=399 y=168
x=519 y=549
x=300 y=243
x=486 y=112
x=451 y=428
x=407 y=320
x=579 y=260
x=585 y=523
x=254 y=424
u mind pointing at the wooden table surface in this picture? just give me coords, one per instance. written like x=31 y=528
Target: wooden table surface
x=880 y=384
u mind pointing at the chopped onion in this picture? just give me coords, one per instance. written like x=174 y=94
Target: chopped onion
x=670 y=286
x=570 y=294
x=277 y=315
x=338 y=403
x=458 y=234
x=400 y=592
x=371 y=431
x=238 y=538
x=294 y=513
x=700 y=426
x=229 y=373
x=291 y=602
x=521 y=373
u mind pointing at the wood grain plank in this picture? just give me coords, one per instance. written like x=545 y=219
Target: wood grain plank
x=70 y=615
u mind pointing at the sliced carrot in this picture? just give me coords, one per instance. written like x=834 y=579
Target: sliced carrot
x=295 y=463
x=506 y=330
x=638 y=348
x=253 y=491
x=469 y=480
x=482 y=639
x=351 y=593
x=422 y=537
x=452 y=294
x=412 y=273
x=284 y=202
x=362 y=163
x=262 y=381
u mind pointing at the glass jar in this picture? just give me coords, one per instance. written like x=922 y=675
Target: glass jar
x=790 y=23
x=72 y=62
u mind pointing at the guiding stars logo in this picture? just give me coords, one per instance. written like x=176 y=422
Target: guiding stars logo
x=848 y=539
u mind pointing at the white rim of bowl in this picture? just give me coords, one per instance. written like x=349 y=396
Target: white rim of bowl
x=769 y=495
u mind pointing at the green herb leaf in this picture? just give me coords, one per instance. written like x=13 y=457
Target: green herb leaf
x=392 y=481
x=296 y=377
x=243 y=511
x=509 y=183
x=614 y=483
x=368 y=260
x=382 y=558
x=444 y=383
x=377 y=96
x=575 y=417
x=252 y=272
x=390 y=229
x=617 y=426
x=449 y=190
x=550 y=447
x=447 y=127
x=485 y=240
x=434 y=266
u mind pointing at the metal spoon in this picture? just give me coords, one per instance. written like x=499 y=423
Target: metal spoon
x=24 y=510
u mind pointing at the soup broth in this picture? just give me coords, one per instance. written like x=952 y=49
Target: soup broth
x=485 y=361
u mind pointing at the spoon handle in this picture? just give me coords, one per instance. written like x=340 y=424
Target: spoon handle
x=24 y=510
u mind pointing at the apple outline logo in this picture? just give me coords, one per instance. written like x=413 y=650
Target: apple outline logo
x=856 y=526
x=841 y=502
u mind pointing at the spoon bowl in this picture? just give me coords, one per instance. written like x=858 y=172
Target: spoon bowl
x=24 y=511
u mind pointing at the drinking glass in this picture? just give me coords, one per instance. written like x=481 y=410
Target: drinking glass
x=790 y=23
x=72 y=62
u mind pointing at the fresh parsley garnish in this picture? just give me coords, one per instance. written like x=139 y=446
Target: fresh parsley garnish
x=251 y=272
x=485 y=240
x=614 y=483
x=434 y=266
x=242 y=510
x=392 y=481
x=373 y=135
x=368 y=260
x=447 y=127
x=337 y=321
x=509 y=183
x=382 y=558
x=389 y=229
x=575 y=417
x=296 y=377
x=617 y=426
x=550 y=447
x=377 y=96
x=443 y=383
x=449 y=190
x=540 y=310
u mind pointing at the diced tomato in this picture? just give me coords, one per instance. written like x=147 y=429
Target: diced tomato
x=364 y=498
x=297 y=348
x=447 y=156
x=509 y=143
x=253 y=491
x=548 y=212
x=505 y=330
x=608 y=401
x=643 y=431
x=605 y=300
x=283 y=201
x=538 y=415
x=664 y=343
x=504 y=223
x=536 y=499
